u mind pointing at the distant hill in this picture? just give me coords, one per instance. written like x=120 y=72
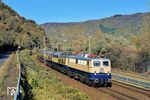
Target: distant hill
x=117 y=25
x=16 y=30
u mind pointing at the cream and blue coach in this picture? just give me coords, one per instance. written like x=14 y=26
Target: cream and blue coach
x=92 y=71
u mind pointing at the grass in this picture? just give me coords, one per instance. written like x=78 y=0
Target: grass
x=45 y=85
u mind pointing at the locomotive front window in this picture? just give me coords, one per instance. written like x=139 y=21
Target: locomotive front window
x=96 y=63
x=105 y=63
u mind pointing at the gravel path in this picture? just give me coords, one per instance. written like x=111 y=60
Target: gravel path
x=11 y=78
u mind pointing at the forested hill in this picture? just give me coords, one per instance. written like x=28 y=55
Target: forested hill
x=116 y=25
x=15 y=29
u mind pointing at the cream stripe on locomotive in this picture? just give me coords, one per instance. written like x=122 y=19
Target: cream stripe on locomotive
x=101 y=66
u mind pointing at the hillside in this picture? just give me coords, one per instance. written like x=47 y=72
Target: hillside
x=124 y=39
x=16 y=30
x=117 y=25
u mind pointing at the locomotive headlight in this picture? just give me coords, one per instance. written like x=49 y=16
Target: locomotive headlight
x=108 y=73
x=95 y=73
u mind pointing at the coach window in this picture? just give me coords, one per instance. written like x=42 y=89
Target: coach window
x=84 y=62
x=59 y=60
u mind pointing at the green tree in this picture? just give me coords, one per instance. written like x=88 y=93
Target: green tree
x=145 y=37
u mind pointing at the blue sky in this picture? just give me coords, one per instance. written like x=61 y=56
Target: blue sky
x=43 y=11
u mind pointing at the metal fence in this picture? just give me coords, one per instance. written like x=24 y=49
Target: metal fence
x=17 y=94
x=131 y=80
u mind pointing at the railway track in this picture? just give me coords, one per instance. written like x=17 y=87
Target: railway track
x=133 y=88
x=116 y=94
x=126 y=92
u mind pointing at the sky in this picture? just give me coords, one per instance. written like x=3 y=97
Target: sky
x=43 y=11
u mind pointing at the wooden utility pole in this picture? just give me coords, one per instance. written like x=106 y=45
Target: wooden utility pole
x=44 y=49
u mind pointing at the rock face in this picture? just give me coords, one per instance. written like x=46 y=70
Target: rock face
x=16 y=30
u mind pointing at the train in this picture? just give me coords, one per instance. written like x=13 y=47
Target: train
x=94 y=72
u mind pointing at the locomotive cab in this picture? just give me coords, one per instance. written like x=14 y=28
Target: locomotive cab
x=100 y=70
x=100 y=66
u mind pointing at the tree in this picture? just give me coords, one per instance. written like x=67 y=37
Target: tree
x=145 y=37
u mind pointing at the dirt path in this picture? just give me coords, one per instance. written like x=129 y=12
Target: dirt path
x=10 y=77
x=92 y=92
